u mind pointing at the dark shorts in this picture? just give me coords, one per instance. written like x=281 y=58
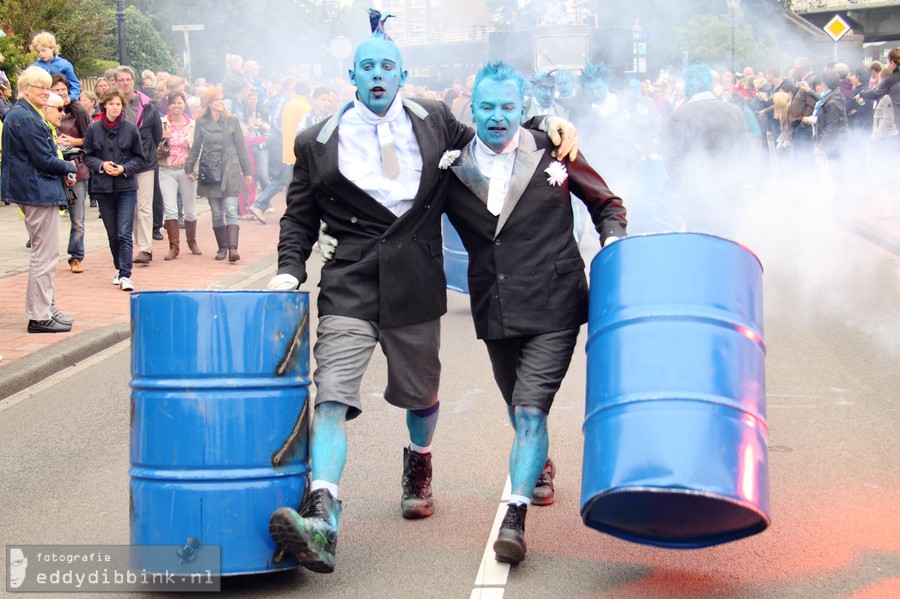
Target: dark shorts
x=529 y=370
x=344 y=347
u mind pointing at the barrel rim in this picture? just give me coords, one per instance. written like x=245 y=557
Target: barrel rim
x=765 y=520
x=218 y=291
x=681 y=233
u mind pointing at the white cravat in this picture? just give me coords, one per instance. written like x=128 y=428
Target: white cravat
x=499 y=184
x=390 y=165
x=497 y=168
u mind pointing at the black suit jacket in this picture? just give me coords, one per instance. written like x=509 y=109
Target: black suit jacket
x=526 y=275
x=386 y=269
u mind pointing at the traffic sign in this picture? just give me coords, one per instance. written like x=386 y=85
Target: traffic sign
x=837 y=28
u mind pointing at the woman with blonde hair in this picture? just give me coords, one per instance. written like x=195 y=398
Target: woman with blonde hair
x=217 y=159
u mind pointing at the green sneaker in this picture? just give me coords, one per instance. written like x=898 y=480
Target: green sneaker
x=310 y=535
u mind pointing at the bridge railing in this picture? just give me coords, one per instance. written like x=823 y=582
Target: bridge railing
x=806 y=6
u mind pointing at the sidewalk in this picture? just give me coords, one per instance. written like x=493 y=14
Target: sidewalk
x=101 y=310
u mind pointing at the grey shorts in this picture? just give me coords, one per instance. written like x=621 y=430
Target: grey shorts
x=344 y=347
x=529 y=370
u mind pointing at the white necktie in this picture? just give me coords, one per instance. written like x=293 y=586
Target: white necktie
x=390 y=165
x=497 y=189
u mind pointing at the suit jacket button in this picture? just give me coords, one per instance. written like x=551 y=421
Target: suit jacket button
x=497 y=241
x=501 y=277
x=353 y=219
x=383 y=239
x=427 y=206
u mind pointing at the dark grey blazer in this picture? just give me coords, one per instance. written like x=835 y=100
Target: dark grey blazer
x=526 y=275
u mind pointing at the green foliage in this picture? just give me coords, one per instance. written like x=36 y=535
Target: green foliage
x=80 y=27
x=14 y=58
x=144 y=47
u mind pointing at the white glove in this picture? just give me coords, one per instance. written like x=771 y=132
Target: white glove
x=283 y=282
x=610 y=240
x=327 y=244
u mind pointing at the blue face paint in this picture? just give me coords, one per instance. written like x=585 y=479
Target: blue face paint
x=565 y=83
x=497 y=109
x=596 y=90
x=544 y=95
x=377 y=74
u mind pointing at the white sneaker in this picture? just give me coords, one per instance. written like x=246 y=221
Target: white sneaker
x=126 y=284
x=116 y=280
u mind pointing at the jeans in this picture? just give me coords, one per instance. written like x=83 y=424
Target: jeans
x=261 y=156
x=224 y=211
x=280 y=179
x=171 y=181
x=117 y=211
x=76 y=217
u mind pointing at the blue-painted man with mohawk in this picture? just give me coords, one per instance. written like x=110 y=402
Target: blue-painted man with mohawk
x=370 y=174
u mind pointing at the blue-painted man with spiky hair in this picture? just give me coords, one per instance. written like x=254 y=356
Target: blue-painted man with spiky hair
x=370 y=174
x=509 y=201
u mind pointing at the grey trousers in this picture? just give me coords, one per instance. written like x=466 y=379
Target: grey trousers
x=42 y=223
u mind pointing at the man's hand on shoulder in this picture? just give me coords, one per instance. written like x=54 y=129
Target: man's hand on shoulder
x=564 y=136
x=327 y=244
x=283 y=282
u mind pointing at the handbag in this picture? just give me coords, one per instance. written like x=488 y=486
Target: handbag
x=210 y=173
x=163 y=150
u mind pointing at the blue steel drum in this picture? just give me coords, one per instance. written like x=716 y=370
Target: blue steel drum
x=218 y=436
x=675 y=429
x=456 y=259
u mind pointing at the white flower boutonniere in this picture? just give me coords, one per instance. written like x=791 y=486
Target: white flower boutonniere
x=448 y=159
x=556 y=173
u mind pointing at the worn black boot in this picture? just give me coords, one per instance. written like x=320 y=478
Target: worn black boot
x=417 y=501
x=310 y=535
x=510 y=547
x=222 y=241
x=543 y=490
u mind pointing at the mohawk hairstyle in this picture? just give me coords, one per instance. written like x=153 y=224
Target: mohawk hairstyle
x=376 y=21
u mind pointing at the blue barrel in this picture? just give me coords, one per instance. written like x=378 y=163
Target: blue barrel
x=218 y=429
x=456 y=259
x=675 y=427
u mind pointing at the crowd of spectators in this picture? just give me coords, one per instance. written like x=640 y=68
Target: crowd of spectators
x=232 y=142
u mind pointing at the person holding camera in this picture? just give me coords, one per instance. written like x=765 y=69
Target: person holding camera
x=114 y=153
x=30 y=176
x=70 y=140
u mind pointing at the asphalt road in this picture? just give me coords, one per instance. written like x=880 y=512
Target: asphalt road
x=833 y=415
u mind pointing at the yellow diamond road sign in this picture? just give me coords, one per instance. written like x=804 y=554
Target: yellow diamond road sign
x=837 y=28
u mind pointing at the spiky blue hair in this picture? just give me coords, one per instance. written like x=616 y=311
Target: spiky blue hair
x=500 y=71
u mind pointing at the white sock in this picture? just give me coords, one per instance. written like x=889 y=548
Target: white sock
x=418 y=449
x=520 y=499
x=324 y=484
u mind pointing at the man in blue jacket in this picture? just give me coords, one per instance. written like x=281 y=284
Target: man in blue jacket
x=31 y=175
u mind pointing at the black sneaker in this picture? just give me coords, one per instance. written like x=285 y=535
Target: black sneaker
x=509 y=547
x=310 y=535
x=417 y=501
x=543 y=490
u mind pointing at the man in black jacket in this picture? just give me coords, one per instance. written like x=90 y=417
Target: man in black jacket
x=385 y=285
x=509 y=201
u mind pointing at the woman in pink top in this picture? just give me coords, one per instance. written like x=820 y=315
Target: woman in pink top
x=178 y=130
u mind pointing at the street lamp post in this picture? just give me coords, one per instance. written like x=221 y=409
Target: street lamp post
x=120 y=17
x=733 y=6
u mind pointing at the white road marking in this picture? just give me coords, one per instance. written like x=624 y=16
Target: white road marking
x=490 y=582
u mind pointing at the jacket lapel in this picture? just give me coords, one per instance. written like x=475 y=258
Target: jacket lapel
x=528 y=156
x=423 y=128
x=467 y=172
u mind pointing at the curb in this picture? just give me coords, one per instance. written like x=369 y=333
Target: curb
x=32 y=369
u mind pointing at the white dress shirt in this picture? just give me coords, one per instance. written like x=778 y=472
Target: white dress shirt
x=359 y=155
x=501 y=174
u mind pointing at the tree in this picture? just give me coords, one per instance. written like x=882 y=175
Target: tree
x=144 y=47
x=80 y=26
